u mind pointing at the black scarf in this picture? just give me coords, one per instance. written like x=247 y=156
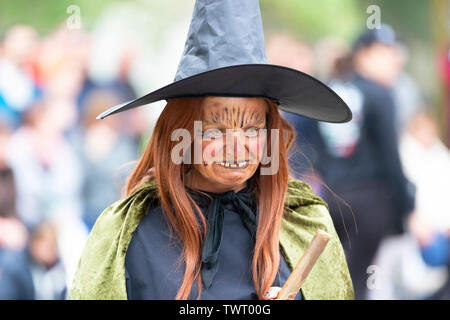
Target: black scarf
x=242 y=202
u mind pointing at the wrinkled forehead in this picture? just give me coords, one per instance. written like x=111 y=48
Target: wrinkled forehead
x=228 y=112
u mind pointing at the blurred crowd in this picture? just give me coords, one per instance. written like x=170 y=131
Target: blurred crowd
x=384 y=175
x=59 y=166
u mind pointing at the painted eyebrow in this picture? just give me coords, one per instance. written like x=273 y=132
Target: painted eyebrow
x=222 y=125
x=233 y=115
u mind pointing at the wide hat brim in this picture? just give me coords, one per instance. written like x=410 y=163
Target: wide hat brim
x=294 y=91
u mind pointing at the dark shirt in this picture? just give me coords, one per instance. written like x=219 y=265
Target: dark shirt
x=153 y=272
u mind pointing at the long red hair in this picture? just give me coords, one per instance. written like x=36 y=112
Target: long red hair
x=155 y=162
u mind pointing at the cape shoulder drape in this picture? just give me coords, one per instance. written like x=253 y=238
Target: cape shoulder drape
x=101 y=268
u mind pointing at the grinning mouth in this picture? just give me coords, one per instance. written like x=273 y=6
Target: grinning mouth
x=234 y=165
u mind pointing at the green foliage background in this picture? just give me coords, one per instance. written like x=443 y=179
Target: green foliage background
x=310 y=18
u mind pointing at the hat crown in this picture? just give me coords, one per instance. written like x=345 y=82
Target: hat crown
x=222 y=33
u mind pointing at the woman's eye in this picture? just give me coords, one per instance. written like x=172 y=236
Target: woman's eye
x=251 y=132
x=212 y=133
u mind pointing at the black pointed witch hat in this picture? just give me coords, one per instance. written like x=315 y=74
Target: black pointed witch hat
x=225 y=55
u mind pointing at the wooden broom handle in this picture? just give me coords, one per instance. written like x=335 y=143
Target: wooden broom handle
x=304 y=266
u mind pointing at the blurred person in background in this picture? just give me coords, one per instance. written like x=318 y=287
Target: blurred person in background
x=362 y=163
x=415 y=264
x=105 y=147
x=13 y=234
x=60 y=53
x=117 y=86
x=113 y=74
x=111 y=78
x=427 y=163
x=61 y=63
x=49 y=176
x=34 y=273
x=406 y=93
x=359 y=161
x=17 y=87
x=41 y=158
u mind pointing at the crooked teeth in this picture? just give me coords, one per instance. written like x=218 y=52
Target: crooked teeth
x=233 y=165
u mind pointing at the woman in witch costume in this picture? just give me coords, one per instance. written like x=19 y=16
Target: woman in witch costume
x=207 y=214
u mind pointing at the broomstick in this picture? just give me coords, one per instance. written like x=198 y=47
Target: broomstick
x=304 y=266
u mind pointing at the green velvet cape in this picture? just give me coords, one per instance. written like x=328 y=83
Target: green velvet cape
x=101 y=269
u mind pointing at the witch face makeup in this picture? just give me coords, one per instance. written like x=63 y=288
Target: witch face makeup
x=232 y=141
